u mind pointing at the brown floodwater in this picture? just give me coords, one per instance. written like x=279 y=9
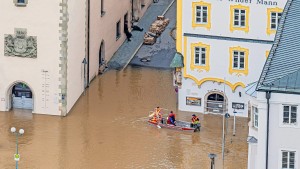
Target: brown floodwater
x=107 y=129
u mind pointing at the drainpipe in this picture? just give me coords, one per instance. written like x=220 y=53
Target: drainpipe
x=88 y=46
x=268 y=96
x=132 y=11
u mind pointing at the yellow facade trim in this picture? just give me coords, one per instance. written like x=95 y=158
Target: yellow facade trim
x=194 y=23
x=238 y=71
x=267 y=53
x=200 y=82
x=269 y=11
x=193 y=66
x=179 y=26
x=247 y=11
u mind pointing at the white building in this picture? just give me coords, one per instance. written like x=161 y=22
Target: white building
x=42 y=51
x=225 y=44
x=274 y=129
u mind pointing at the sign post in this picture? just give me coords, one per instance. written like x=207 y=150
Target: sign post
x=234 y=112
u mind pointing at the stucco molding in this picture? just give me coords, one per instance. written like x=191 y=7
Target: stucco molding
x=63 y=25
x=20 y=44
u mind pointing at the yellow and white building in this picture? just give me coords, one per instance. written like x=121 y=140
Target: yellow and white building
x=224 y=44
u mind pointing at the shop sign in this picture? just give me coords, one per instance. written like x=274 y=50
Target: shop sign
x=238 y=105
x=194 y=101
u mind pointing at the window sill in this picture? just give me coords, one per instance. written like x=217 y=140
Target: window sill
x=102 y=13
x=287 y=125
x=20 y=4
x=118 y=37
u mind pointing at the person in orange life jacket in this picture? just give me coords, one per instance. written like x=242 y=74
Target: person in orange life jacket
x=158 y=114
x=171 y=118
x=195 y=121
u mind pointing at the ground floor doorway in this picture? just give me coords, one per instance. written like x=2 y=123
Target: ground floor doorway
x=216 y=103
x=21 y=97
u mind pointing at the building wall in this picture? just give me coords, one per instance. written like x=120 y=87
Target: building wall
x=103 y=28
x=218 y=36
x=220 y=18
x=140 y=7
x=41 y=19
x=76 y=50
x=209 y=79
x=281 y=136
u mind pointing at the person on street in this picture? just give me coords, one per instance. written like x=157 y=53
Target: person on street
x=171 y=118
x=127 y=33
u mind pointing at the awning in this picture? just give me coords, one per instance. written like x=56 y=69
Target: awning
x=177 y=60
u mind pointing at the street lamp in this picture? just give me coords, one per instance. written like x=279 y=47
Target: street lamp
x=20 y=133
x=212 y=160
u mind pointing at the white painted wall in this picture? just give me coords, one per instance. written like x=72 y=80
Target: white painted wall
x=281 y=137
x=190 y=89
x=220 y=16
x=220 y=56
x=41 y=19
x=76 y=50
x=219 y=68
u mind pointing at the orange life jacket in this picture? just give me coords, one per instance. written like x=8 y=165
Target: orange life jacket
x=195 y=118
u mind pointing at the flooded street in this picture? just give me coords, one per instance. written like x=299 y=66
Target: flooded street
x=107 y=129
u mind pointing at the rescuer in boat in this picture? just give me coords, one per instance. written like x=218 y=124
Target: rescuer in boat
x=195 y=123
x=171 y=118
x=156 y=116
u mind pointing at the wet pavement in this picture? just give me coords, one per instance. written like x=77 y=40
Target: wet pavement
x=162 y=52
x=128 y=49
x=107 y=129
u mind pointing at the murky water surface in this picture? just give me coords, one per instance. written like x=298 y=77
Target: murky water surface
x=107 y=129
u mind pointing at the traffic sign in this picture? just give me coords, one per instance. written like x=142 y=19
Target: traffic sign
x=17 y=157
x=227 y=115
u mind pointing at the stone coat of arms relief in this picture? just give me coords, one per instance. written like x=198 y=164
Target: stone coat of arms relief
x=20 y=44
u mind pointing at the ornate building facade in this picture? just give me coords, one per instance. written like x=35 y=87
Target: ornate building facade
x=224 y=45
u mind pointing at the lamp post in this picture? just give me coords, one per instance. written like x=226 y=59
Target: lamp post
x=17 y=134
x=212 y=160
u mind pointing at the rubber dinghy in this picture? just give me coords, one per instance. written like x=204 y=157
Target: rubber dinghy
x=179 y=125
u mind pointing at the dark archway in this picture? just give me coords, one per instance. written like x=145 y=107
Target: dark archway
x=21 y=96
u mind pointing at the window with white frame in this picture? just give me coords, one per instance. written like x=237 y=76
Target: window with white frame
x=239 y=18
x=289 y=114
x=255 y=116
x=200 y=56
x=201 y=14
x=288 y=159
x=275 y=17
x=238 y=60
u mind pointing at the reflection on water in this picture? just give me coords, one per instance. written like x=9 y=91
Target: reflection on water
x=107 y=129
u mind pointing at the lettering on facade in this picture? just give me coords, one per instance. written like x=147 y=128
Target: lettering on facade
x=45 y=88
x=20 y=44
x=260 y=2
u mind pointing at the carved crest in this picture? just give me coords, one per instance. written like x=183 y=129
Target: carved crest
x=20 y=44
